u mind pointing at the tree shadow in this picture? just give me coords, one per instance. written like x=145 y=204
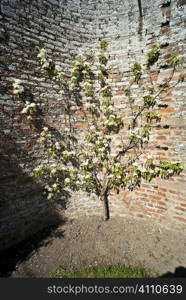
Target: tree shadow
x=179 y=272
x=22 y=251
x=27 y=219
x=24 y=210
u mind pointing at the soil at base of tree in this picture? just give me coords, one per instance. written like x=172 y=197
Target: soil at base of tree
x=89 y=241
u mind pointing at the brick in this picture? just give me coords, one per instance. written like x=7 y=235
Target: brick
x=25 y=180
x=180 y=208
x=161 y=137
x=180 y=219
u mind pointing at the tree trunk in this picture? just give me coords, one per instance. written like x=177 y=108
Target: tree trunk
x=104 y=199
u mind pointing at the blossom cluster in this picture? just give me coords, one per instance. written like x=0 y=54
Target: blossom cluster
x=53 y=70
x=18 y=87
x=95 y=164
x=29 y=109
x=45 y=62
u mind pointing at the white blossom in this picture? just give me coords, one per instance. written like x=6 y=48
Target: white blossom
x=151 y=171
x=18 y=87
x=53 y=171
x=85 y=163
x=88 y=105
x=58 y=68
x=46 y=64
x=38 y=168
x=142 y=169
x=95 y=160
x=42 y=53
x=49 y=196
x=24 y=110
x=53 y=165
x=29 y=118
x=170 y=171
x=67 y=180
x=87 y=85
x=58 y=146
x=110 y=176
x=92 y=128
x=111 y=122
x=77 y=64
x=145 y=139
x=17 y=82
x=32 y=105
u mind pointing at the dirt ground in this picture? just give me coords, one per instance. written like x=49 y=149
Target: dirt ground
x=89 y=241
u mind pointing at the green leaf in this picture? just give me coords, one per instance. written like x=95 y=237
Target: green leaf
x=153 y=55
x=103 y=45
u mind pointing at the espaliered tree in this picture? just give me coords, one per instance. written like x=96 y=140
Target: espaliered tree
x=108 y=153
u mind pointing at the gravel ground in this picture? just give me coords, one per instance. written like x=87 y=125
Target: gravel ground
x=89 y=241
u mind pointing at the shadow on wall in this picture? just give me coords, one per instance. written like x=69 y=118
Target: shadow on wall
x=179 y=272
x=24 y=211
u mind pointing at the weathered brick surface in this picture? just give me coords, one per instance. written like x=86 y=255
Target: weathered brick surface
x=62 y=27
x=65 y=28
x=130 y=37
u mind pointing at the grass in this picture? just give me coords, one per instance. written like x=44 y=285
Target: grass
x=113 y=271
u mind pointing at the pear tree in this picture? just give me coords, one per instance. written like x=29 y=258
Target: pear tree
x=108 y=152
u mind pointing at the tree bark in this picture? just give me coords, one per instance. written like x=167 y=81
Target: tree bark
x=104 y=199
x=140 y=8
